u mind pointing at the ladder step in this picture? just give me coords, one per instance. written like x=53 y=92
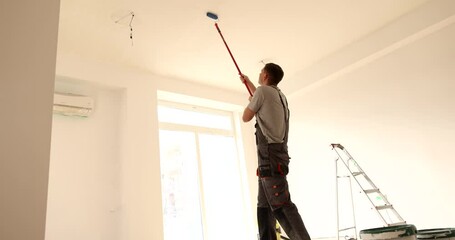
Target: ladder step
x=397 y=224
x=344 y=229
x=384 y=207
x=374 y=190
x=346 y=176
x=357 y=173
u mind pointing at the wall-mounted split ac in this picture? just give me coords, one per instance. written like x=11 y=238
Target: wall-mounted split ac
x=73 y=105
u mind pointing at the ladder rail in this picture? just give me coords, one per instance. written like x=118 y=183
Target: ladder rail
x=354 y=227
x=336 y=193
x=352 y=205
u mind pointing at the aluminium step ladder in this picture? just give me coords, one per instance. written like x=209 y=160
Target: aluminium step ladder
x=381 y=205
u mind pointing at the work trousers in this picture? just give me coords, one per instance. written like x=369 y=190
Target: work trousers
x=274 y=203
x=274 y=199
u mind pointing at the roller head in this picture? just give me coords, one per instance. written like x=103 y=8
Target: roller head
x=212 y=16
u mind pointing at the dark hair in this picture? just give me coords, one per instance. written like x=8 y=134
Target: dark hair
x=275 y=73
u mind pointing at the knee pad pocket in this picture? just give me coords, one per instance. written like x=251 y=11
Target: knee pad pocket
x=277 y=191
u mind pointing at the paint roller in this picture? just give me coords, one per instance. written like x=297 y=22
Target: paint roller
x=215 y=18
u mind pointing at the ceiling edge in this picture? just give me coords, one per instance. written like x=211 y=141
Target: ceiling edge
x=424 y=21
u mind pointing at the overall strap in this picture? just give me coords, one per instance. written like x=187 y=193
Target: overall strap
x=286 y=112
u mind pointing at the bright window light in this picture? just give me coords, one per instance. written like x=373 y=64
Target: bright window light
x=187 y=117
x=198 y=159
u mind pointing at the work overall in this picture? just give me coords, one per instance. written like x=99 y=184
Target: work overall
x=274 y=200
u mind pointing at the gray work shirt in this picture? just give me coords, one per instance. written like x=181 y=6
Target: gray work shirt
x=269 y=111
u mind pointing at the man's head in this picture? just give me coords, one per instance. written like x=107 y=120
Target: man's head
x=272 y=73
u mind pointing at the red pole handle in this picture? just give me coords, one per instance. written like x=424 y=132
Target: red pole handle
x=238 y=69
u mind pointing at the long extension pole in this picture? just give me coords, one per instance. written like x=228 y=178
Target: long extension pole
x=215 y=17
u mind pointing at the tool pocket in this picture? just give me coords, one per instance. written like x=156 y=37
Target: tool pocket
x=279 y=159
x=277 y=191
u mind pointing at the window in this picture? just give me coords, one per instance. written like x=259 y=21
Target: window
x=202 y=185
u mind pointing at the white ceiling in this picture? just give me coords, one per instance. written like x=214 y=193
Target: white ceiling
x=175 y=38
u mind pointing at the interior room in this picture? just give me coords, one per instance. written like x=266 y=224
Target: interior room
x=375 y=76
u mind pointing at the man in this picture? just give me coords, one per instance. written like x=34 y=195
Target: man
x=270 y=107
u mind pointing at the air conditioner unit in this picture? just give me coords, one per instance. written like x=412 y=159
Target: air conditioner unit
x=73 y=105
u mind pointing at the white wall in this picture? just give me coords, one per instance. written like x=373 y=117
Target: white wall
x=27 y=69
x=139 y=214
x=139 y=178
x=396 y=118
x=85 y=168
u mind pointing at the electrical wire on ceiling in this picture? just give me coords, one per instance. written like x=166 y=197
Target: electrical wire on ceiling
x=130 y=14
